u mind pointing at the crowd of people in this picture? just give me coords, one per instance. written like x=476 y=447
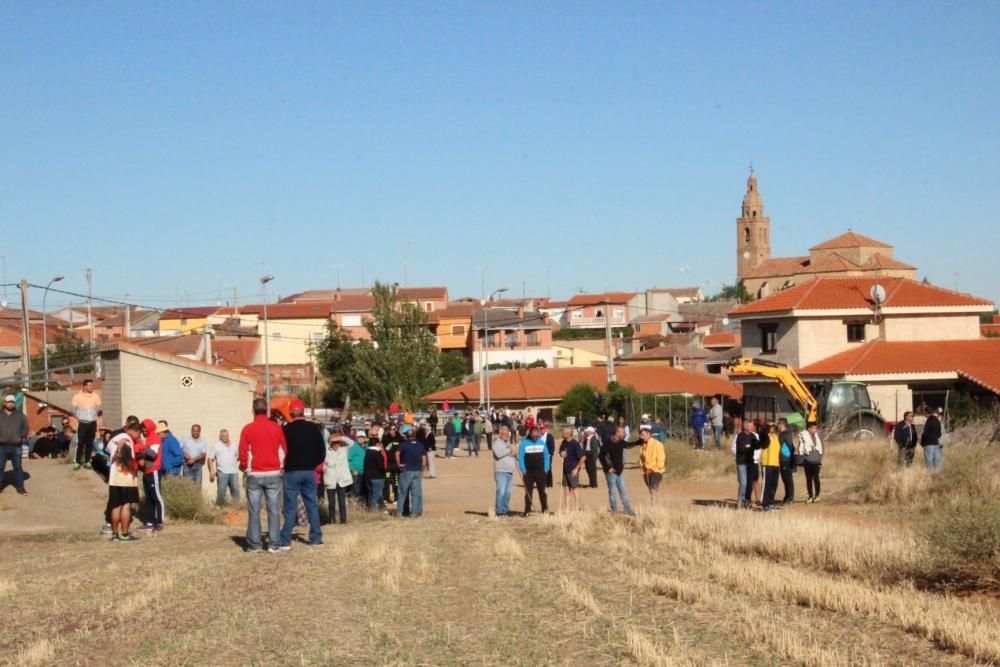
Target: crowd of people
x=288 y=466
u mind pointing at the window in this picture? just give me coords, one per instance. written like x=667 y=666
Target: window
x=430 y=306
x=768 y=338
x=855 y=332
x=350 y=321
x=600 y=313
x=318 y=337
x=534 y=338
x=619 y=313
x=457 y=329
x=512 y=340
x=754 y=214
x=491 y=340
x=577 y=315
x=746 y=235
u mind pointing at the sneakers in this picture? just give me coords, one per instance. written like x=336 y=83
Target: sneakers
x=128 y=537
x=146 y=526
x=816 y=499
x=275 y=550
x=106 y=529
x=87 y=465
x=812 y=499
x=22 y=492
x=158 y=528
x=283 y=547
x=252 y=550
x=115 y=538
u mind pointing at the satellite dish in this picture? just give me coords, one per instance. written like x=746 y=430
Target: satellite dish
x=878 y=293
x=3 y=303
x=746 y=254
x=725 y=321
x=621 y=351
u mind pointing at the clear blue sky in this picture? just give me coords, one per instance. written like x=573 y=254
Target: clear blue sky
x=174 y=146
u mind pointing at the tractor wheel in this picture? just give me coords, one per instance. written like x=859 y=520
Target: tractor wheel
x=868 y=430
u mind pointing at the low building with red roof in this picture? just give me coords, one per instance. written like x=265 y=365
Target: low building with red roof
x=543 y=388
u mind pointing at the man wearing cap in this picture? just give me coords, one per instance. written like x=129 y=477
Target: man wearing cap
x=306 y=450
x=13 y=431
x=86 y=409
x=173 y=454
x=262 y=454
x=652 y=458
x=411 y=458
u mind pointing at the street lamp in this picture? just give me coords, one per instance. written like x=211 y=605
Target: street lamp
x=267 y=360
x=486 y=340
x=45 y=336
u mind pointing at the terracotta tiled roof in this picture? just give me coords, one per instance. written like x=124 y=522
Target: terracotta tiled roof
x=326 y=294
x=598 y=299
x=287 y=311
x=423 y=292
x=722 y=339
x=850 y=240
x=234 y=352
x=668 y=352
x=189 y=313
x=976 y=360
x=180 y=345
x=777 y=266
x=453 y=310
x=551 y=384
x=653 y=317
x=854 y=293
x=879 y=261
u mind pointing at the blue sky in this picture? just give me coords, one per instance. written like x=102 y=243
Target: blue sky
x=177 y=146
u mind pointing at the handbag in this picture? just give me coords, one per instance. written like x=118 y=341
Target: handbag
x=799 y=460
x=814 y=457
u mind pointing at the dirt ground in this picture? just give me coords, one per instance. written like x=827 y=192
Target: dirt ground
x=689 y=583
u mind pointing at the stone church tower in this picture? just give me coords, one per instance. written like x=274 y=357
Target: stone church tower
x=753 y=230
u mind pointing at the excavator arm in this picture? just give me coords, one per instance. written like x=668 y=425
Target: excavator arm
x=784 y=376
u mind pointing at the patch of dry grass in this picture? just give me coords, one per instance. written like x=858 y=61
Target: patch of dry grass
x=507 y=548
x=39 y=652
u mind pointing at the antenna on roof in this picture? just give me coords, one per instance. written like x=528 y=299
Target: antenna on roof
x=878 y=298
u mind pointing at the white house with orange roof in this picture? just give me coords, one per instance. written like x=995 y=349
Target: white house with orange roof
x=915 y=340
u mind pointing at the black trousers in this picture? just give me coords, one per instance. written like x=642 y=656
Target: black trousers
x=788 y=481
x=339 y=495
x=590 y=465
x=812 y=478
x=85 y=435
x=535 y=479
x=154 y=499
x=771 y=474
x=905 y=456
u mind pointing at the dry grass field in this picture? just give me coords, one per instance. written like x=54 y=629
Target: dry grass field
x=857 y=581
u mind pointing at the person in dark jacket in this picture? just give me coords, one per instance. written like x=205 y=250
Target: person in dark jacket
x=550 y=444
x=930 y=440
x=786 y=438
x=391 y=440
x=376 y=463
x=747 y=441
x=534 y=462
x=13 y=431
x=904 y=434
x=612 y=457
x=591 y=448
x=306 y=451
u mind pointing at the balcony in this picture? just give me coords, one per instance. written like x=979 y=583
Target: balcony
x=595 y=322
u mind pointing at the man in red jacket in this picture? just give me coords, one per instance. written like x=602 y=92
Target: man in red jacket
x=262 y=457
x=152 y=466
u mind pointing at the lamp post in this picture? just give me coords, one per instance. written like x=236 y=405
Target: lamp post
x=267 y=360
x=486 y=340
x=45 y=337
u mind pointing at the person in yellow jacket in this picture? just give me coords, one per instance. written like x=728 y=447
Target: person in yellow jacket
x=653 y=460
x=770 y=464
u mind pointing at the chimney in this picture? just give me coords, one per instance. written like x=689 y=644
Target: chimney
x=520 y=311
x=207 y=345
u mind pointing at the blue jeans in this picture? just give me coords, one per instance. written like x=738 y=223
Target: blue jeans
x=193 y=472
x=617 y=482
x=13 y=454
x=268 y=487
x=225 y=481
x=410 y=485
x=932 y=457
x=301 y=483
x=717 y=432
x=450 y=445
x=742 y=477
x=505 y=483
x=699 y=438
x=375 y=489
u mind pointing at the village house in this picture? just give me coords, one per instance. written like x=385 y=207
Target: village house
x=509 y=336
x=181 y=321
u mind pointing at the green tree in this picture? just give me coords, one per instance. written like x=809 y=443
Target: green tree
x=335 y=359
x=579 y=398
x=66 y=350
x=735 y=292
x=454 y=368
x=401 y=362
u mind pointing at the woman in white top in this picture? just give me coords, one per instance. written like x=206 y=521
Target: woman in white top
x=337 y=478
x=811 y=449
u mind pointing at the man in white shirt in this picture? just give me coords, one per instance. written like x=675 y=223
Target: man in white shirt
x=195 y=450
x=223 y=468
x=715 y=416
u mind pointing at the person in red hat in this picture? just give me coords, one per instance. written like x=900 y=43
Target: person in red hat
x=306 y=450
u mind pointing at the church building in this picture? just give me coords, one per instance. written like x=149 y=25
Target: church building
x=849 y=254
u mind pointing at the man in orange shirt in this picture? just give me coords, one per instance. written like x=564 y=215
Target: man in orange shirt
x=87 y=410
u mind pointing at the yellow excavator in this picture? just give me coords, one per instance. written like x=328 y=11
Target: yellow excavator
x=843 y=407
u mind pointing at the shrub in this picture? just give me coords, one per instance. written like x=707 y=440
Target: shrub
x=684 y=462
x=963 y=539
x=183 y=500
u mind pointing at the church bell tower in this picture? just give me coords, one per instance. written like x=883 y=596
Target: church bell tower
x=753 y=231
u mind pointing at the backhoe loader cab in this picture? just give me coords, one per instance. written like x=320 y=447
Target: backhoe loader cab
x=844 y=409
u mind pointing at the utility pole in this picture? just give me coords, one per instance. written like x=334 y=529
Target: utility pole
x=236 y=303
x=611 y=352
x=90 y=316
x=25 y=333
x=128 y=319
